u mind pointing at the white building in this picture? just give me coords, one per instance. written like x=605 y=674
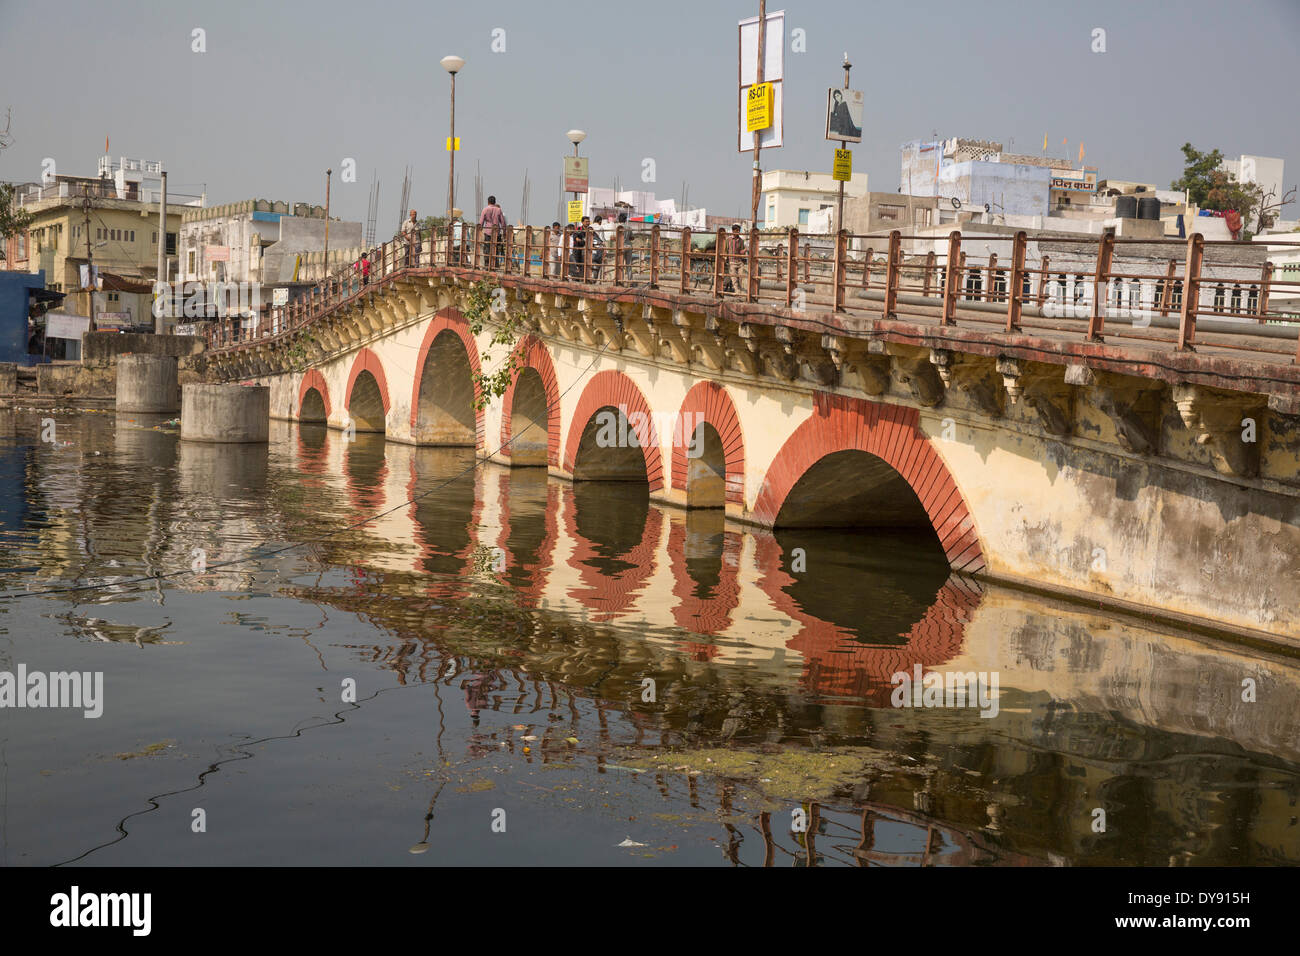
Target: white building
x=795 y=197
x=259 y=241
x=1263 y=171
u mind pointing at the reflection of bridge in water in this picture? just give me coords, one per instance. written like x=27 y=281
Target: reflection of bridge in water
x=602 y=590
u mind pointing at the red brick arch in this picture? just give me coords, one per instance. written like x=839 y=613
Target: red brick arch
x=314 y=379
x=367 y=361
x=892 y=433
x=614 y=388
x=712 y=400
x=448 y=318
x=535 y=356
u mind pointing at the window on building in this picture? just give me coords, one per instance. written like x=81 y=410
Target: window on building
x=888 y=213
x=132 y=239
x=1061 y=288
x=803 y=217
x=189 y=263
x=1252 y=301
x=999 y=285
x=1176 y=296
x=1218 y=297
x=171 y=244
x=974 y=284
x=153 y=239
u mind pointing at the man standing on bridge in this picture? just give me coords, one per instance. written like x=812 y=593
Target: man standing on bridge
x=411 y=235
x=492 y=223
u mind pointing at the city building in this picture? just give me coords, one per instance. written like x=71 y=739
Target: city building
x=258 y=240
x=980 y=174
x=109 y=221
x=795 y=197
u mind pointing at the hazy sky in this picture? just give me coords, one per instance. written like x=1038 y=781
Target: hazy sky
x=288 y=89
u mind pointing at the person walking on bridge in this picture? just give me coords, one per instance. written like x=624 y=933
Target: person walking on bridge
x=554 y=243
x=492 y=223
x=734 y=251
x=411 y=236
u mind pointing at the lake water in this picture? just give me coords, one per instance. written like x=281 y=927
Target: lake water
x=505 y=668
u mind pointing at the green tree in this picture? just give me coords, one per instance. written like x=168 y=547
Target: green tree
x=12 y=219
x=1210 y=187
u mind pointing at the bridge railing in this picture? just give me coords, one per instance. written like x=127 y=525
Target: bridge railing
x=1017 y=282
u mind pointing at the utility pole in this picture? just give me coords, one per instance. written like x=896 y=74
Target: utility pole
x=328 y=174
x=158 y=325
x=839 y=203
x=757 y=189
x=90 y=271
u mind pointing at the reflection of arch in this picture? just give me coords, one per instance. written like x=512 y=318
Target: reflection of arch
x=365 y=467
x=711 y=400
x=528 y=579
x=709 y=613
x=436 y=520
x=837 y=664
x=367 y=361
x=313 y=380
x=614 y=389
x=613 y=580
x=536 y=356
x=891 y=433
x=446 y=319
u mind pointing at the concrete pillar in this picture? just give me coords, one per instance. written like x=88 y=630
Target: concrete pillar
x=146 y=383
x=226 y=413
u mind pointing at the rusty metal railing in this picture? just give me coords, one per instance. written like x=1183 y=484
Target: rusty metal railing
x=1078 y=285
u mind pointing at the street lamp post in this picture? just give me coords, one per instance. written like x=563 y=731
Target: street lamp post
x=576 y=136
x=453 y=65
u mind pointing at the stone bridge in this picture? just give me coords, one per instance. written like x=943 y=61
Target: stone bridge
x=1152 y=467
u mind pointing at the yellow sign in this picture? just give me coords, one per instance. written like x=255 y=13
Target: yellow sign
x=449 y=143
x=758 y=107
x=842 y=171
x=575 y=210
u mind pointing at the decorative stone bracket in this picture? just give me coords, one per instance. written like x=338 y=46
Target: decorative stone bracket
x=1216 y=418
x=1043 y=389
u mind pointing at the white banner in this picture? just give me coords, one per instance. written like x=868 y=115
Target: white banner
x=60 y=326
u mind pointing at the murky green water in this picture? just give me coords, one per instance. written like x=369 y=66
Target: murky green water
x=546 y=671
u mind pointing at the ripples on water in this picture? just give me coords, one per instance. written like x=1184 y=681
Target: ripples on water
x=501 y=630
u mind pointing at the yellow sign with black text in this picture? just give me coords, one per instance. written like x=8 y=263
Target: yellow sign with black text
x=842 y=171
x=758 y=107
x=575 y=210
x=449 y=144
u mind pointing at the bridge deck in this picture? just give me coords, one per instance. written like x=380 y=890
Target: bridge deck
x=1238 y=332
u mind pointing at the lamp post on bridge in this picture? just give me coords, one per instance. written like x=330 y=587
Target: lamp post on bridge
x=453 y=65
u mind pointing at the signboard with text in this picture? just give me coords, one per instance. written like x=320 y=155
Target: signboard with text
x=842 y=170
x=575 y=174
x=575 y=210
x=758 y=107
x=216 y=253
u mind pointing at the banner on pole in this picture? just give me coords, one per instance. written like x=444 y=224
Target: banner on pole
x=842 y=170
x=769 y=135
